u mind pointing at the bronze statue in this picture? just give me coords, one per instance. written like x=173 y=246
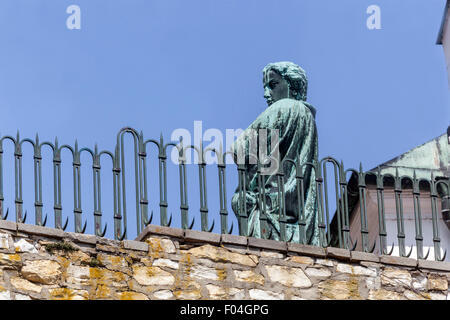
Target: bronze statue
x=291 y=119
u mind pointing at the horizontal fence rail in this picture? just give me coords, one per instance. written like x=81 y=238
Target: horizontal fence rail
x=338 y=235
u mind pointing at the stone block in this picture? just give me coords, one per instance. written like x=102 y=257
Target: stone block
x=357 y=256
x=398 y=261
x=160 y=231
x=41 y=231
x=287 y=276
x=434 y=265
x=306 y=250
x=201 y=236
x=135 y=245
x=41 y=271
x=152 y=276
x=5 y=241
x=248 y=276
x=267 y=244
x=81 y=238
x=300 y=260
x=258 y=294
x=233 y=239
x=338 y=253
x=8 y=225
x=219 y=254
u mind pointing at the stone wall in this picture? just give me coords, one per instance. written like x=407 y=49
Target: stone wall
x=168 y=263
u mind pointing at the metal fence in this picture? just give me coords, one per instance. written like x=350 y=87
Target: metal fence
x=333 y=232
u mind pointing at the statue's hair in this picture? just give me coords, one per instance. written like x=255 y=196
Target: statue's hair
x=293 y=74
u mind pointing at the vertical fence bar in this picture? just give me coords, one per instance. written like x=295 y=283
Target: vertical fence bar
x=77 y=209
x=97 y=193
x=57 y=186
x=221 y=167
x=381 y=212
x=37 y=157
x=281 y=202
x=417 y=217
x=162 y=183
x=243 y=218
x=18 y=179
x=320 y=211
x=325 y=197
x=263 y=223
x=345 y=228
x=116 y=197
x=363 y=207
x=203 y=191
x=184 y=207
x=399 y=214
x=143 y=200
x=436 y=237
x=301 y=208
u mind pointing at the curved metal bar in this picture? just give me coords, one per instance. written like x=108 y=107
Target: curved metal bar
x=102 y=234
x=43 y=223
x=27 y=140
x=192 y=224
x=231 y=229
x=24 y=218
x=6 y=215
x=84 y=228
x=8 y=138
x=443 y=258
x=329 y=159
x=386 y=252
x=372 y=248
x=354 y=245
x=107 y=153
x=65 y=225
x=46 y=143
x=252 y=231
x=148 y=221
x=426 y=256
x=292 y=237
x=409 y=253
x=66 y=147
x=88 y=150
x=170 y=221
x=121 y=237
x=269 y=236
x=212 y=226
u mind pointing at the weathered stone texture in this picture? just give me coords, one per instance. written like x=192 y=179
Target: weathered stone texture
x=42 y=271
x=290 y=277
x=66 y=266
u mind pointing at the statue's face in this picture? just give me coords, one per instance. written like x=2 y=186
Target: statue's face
x=275 y=87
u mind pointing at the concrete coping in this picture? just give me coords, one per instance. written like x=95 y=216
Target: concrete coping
x=195 y=236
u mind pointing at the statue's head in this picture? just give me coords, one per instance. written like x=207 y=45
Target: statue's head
x=284 y=80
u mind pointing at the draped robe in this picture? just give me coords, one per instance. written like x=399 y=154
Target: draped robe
x=295 y=122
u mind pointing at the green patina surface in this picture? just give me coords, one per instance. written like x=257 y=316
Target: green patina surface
x=432 y=156
x=294 y=118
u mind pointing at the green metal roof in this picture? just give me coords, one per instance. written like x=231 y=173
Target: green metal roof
x=430 y=157
x=444 y=18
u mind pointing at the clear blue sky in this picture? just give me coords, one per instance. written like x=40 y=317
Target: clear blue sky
x=159 y=65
